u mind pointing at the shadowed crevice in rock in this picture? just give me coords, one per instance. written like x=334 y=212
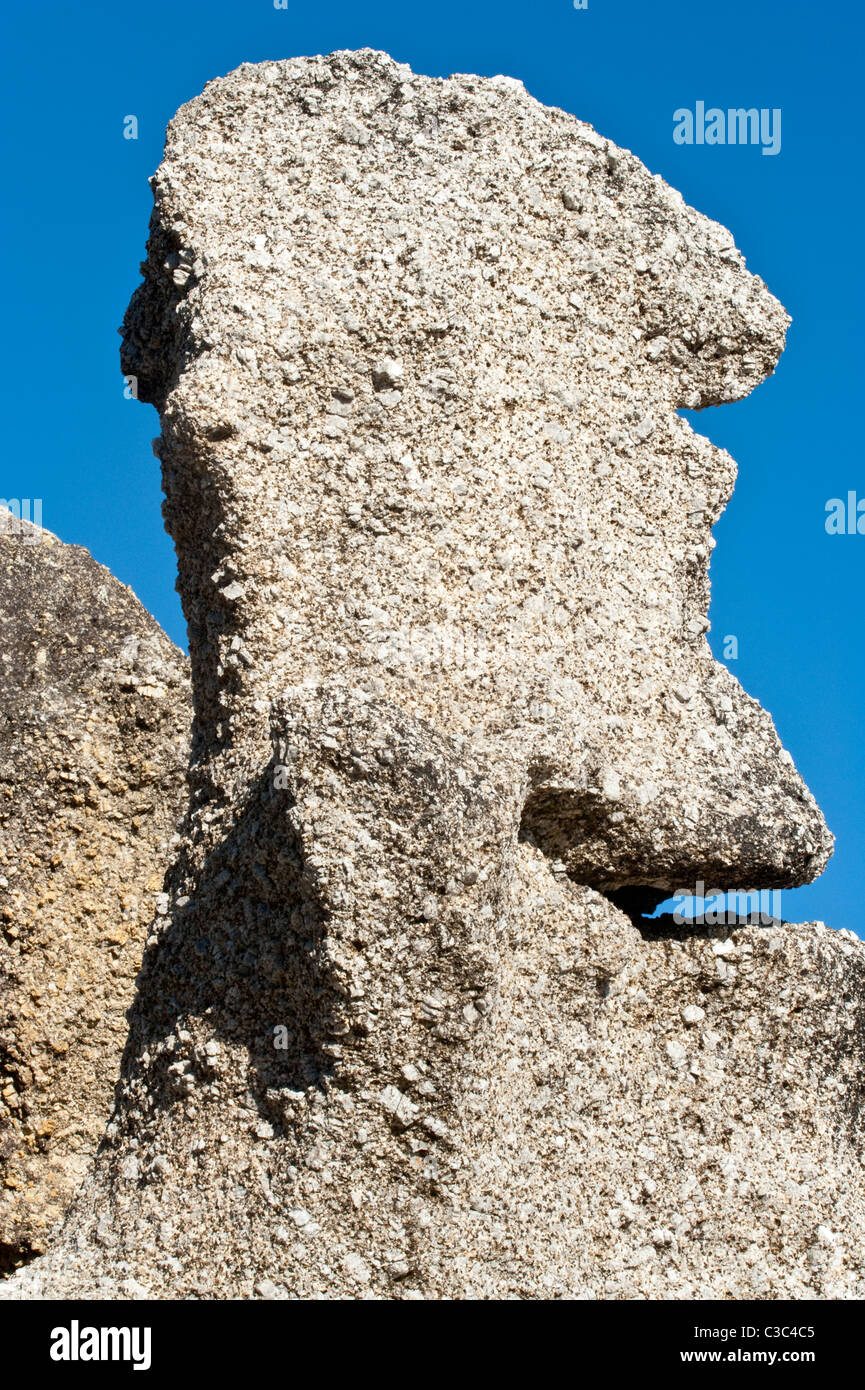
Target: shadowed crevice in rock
x=14 y=1257
x=637 y=901
x=243 y=947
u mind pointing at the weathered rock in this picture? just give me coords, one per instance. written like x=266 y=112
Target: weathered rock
x=443 y=544
x=419 y=426
x=94 y=714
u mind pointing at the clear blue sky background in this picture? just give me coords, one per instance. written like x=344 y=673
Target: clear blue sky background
x=76 y=206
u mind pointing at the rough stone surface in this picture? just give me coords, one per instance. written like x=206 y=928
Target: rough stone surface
x=418 y=427
x=94 y=717
x=418 y=347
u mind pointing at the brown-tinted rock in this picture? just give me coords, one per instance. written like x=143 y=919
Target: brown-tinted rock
x=94 y=714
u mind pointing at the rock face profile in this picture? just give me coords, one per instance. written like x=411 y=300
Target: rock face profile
x=417 y=348
x=94 y=716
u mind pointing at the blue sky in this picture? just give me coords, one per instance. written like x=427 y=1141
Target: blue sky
x=77 y=202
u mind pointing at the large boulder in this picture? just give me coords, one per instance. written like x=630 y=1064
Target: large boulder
x=94 y=733
x=418 y=348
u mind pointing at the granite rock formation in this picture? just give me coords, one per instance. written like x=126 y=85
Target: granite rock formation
x=94 y=719
x=417 y=348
